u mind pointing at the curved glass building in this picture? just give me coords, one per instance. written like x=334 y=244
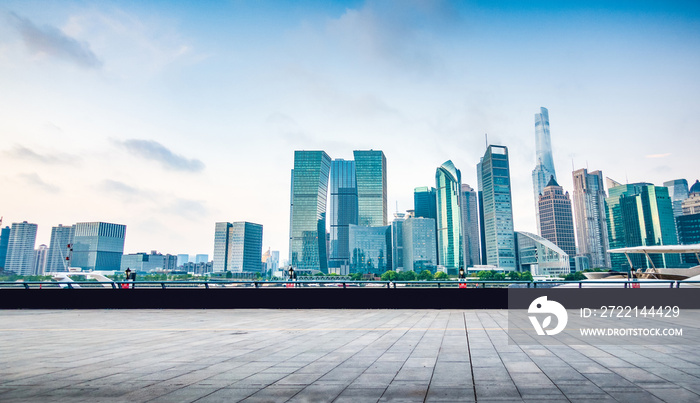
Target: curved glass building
x=448 y=181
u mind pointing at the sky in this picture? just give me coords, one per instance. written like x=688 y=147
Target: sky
x=169 y=116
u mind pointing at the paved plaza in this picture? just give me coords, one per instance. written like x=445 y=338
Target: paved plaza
x=317 y=356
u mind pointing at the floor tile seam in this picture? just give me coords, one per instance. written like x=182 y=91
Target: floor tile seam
x=432 y=373
x=471 y=363
x=664 y=364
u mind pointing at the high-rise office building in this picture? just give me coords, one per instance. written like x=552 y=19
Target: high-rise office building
x=397 y=242
x=4 y=241
x=419 y=242
x=370 y=249
x=470 y=226
x=678 y=191
x=425 y=202
x=20 y=249
x=183 y=258
x=307 y=234
x=201 y=258
x=448 y=182
x=640 y=214
x=688 y=223
x=496 y=209
x=245 y=247
x=556 y=220
x=370 y=176
x=544 y=168
x=591 y=225
x=59 y=248
x=98 y=246
x=342 y=212
x=691 y=205
x=40 y=256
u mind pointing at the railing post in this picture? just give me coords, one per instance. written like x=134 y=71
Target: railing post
x=580 y=284
x=256 y=284
x=678 y=284
x=114 y=285
x=534 y=285
x=671 y=284
x=206 y=285
x=69 y=285
x=625 y=285
x=162 y=285
x=529 y=283
x=26 y=286
x=439 y=283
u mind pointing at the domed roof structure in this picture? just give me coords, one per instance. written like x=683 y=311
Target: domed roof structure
x=695 y=188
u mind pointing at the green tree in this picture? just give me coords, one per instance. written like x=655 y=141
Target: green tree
x=356 y=277
x=407 y=276
x=425 y=275
x=575 y=276
x=229 y=274
x=441 y=275
x=526 y=276
x=389 y=275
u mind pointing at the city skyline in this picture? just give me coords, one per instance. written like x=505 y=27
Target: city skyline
x=152 y=116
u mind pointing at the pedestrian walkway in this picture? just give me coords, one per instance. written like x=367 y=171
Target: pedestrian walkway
x=317 y=356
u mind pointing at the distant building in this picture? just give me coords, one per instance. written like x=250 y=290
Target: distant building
x=640 y=214
x=183 y=258
x=148 y=262
x=60 y=247
x=425 y=202
x=540 y=256
x=370 y=175
x=544 y=168
x=677 y=191
x=197 y=268
x=238 y=247
x=581 y=263
x=201 y=258
x=221 y=234
x=470 y=226
x=591 y=224
x=309 y=189
x=448 y=182
x=397 y=242
x=4 y=242
x=691 y=205
x=20 y=249
x=98 y=246
x=370 y=249
x=496 y=209
x=40 y=256
x=419 y=248
x=688 y=226
x=273 y=261
x=556 y=220
x=343 y=212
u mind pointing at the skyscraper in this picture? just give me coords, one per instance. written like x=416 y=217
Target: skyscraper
x=591 y=225
x=307 y=235
x=245 y=247
x=397 y=242
x=201 y=258
x=496 y=208
x=691 y=205
x=448 y=182
x=40 y=256
x=640 y=214
x=370 y=249
x=98 y=246
x=4 y=241
x=556 y=220
x=59 y=248
x=370 y=175
x=470 y=226
x=221 y=232
x=343 y=212
x=424 y=202
x=678 y=191
x=544 y=168
x=419 y=244
x=20 y=248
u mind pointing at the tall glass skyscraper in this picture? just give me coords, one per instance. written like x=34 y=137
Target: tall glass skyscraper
x=59 y=248
x=98 y=246
x=20 y=248
x=544 y=168
x=424 y=202
x=556 y=220
x=4 y=241
x=307 y=234
x=397 y=242
x=470 y=226
x=591 y=225
x=245 y=247
x=448 y=182
x=419 y=244
x=370 y=249
x=343 y=212
x=640 y=214
x=370 y=175
x=221 y=234
x=496 y=208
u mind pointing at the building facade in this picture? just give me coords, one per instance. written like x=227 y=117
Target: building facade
x=370 y=249
x=343 y=212
x=591 y=224
x=470 y=226
x=98 y=246
x=149 y=262
x=419 y=248
x=496 y=209
x=60 y=246
x=370 y=175
x=245 y=247
x=540 y=256
x=20 y=249
x=677 y=191
x=544 y=168
x=691 y=205
x=40 y=257
x=397 y=242
x=640 y=214
x=4 y=242
x=556 y=220
x=448 y=183
x=307 y=234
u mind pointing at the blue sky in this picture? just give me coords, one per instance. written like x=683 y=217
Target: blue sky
x=171 y=116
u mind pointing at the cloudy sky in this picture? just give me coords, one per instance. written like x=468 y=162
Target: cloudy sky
x=170 y=116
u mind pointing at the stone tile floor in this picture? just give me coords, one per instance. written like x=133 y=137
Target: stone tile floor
x=318 y=356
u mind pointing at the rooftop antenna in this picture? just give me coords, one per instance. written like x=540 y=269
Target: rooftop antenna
x=572 y=164
x=486 y=136
x=397 y=206
x=627 y=181
x=586 y=164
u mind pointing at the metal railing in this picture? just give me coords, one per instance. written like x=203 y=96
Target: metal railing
x=218 y=284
